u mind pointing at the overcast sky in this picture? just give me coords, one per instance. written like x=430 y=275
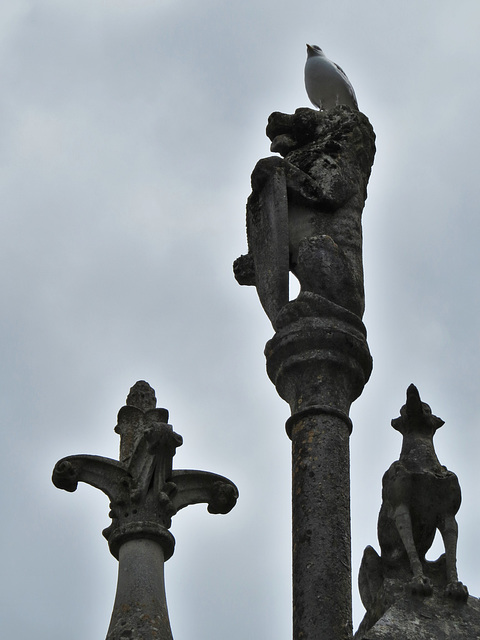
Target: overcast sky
x=128 y=132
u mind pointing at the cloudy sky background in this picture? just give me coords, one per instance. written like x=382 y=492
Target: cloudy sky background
x=128 y=132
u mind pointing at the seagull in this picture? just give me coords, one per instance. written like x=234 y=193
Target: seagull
x=326 y=84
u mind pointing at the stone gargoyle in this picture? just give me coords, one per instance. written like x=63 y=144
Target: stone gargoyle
x=419 y=496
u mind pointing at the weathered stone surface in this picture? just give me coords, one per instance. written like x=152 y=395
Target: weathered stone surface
x=319 y=365
x=145 y=492
x=400 y=589
x=140 y=608
x=304 y=216
x=304 y=213
x=432 y=618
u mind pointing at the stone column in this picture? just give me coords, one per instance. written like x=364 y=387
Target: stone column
x=319 y=366
x=144 y=492
x=304 y=216
x=140 y=601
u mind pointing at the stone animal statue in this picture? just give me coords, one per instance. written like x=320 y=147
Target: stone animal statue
x=419 y=496
x=304 y=212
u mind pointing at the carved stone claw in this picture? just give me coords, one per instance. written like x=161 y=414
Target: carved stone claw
x=457 y=591
x=421 y=586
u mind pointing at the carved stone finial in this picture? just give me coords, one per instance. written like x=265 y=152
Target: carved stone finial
x=142 y=396
x=419 y=496
x=144 y=492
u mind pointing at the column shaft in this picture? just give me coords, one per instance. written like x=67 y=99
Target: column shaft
x=140 y=608
x=321 y=529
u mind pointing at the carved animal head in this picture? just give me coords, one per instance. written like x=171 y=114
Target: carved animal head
x=416 y=416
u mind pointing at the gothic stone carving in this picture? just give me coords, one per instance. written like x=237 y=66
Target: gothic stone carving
x=419 y=496
x=304 y=213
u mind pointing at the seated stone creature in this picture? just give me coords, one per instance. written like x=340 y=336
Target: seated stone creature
x=419 y=496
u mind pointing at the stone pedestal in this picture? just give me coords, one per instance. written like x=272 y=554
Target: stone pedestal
x=436 y=617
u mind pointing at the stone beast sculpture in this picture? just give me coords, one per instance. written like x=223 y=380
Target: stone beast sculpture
x=304 y=213
x=419 y=496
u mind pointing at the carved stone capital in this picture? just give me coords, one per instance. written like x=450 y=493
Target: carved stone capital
x=318 y=359
x=144 y=490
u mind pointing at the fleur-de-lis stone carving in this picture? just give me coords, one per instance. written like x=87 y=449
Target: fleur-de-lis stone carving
x=144 y=492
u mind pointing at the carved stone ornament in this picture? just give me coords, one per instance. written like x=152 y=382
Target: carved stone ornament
x=400 y=589
x=304 y=213
x=144 y=492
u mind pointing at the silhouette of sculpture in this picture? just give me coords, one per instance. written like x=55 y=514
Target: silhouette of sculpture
x=419 y=496
x=145 y=492
x=304 y=217
x=304 y=213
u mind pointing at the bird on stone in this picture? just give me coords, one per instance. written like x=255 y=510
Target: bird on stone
x=326 y=83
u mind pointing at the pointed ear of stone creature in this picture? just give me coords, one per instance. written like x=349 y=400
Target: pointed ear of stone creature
x=416 y=414
x=414 y=405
